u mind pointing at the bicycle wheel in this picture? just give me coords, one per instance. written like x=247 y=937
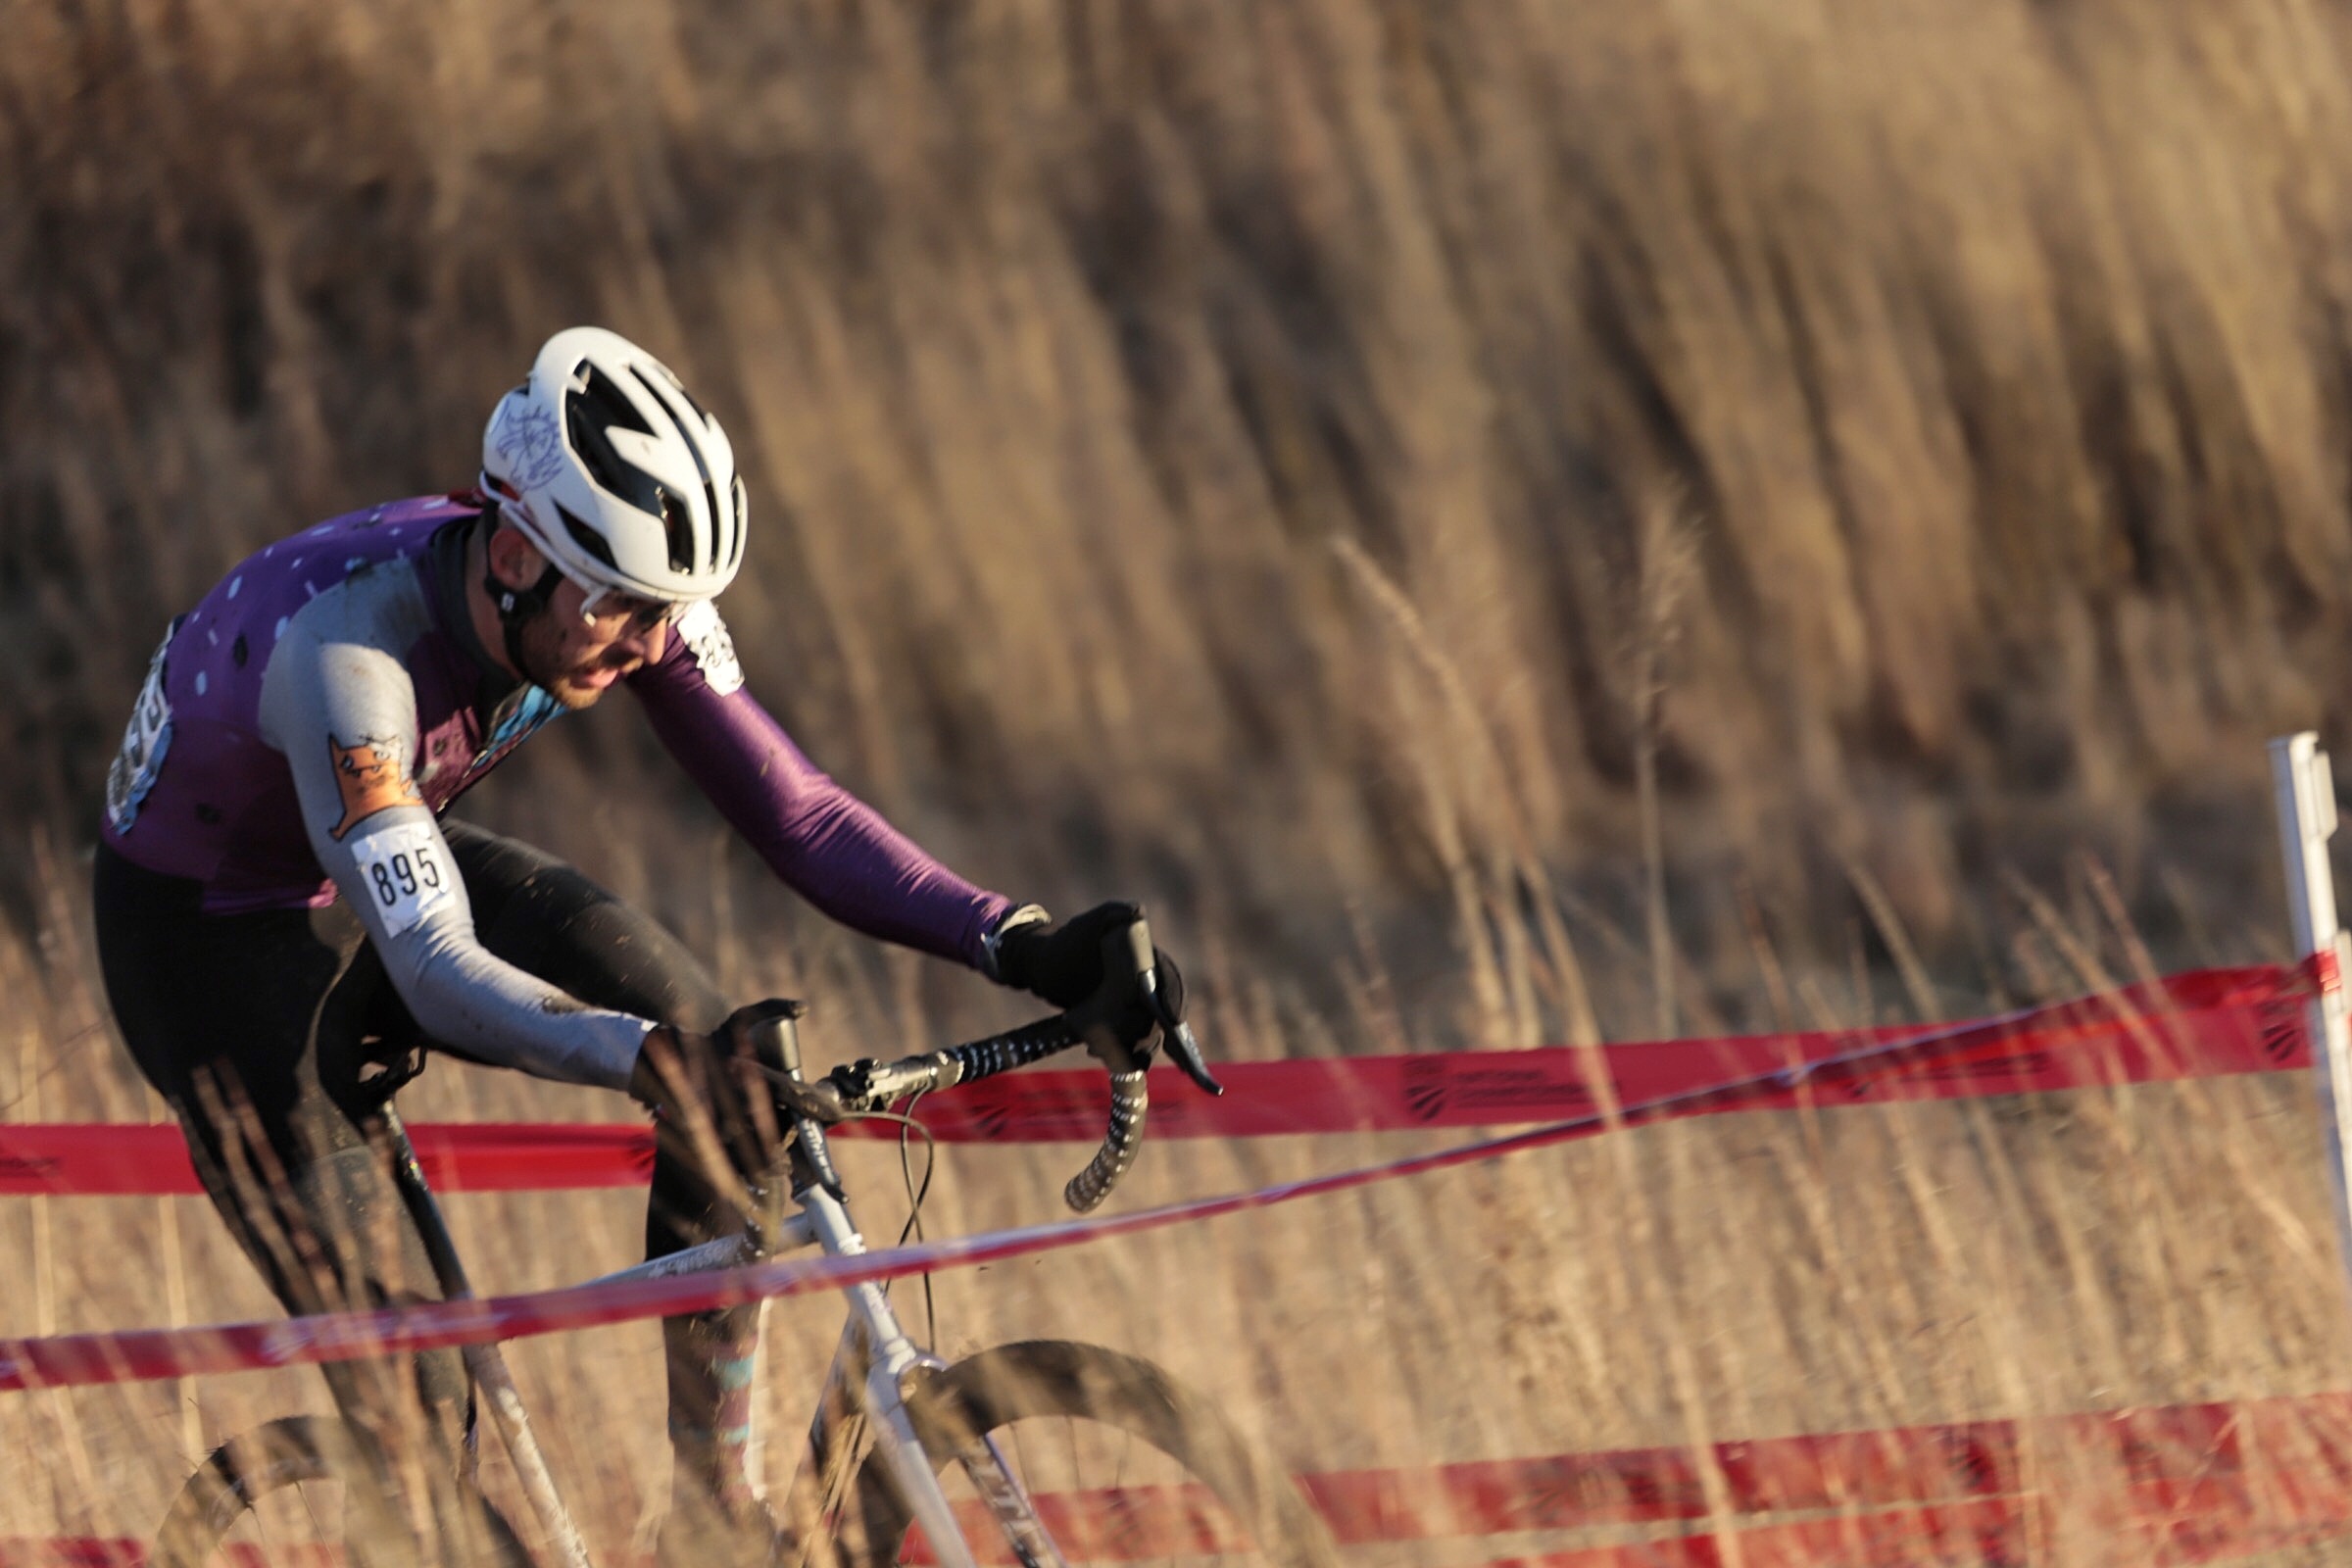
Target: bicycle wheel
x=297 y=1493
x=1122 y=1463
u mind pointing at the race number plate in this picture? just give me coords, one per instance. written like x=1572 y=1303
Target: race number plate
x=145 y=739
x=705 y=637
x=403 y=873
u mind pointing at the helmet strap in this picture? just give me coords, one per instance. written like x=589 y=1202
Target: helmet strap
x=516 y=606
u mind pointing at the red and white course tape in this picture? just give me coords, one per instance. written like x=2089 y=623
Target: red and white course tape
x=2173 y=1485
x=2197 y=1484
x=2213 y=1022
x=2132 y=1033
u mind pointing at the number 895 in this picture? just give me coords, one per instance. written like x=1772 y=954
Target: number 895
x=405 y=875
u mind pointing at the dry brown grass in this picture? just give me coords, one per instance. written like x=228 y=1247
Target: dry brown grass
x=1207 y=449
x=1992 y=349
x=1745 y=1277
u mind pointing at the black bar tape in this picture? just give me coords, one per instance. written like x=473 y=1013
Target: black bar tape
x=1130 y=1099
x=1014 y=1047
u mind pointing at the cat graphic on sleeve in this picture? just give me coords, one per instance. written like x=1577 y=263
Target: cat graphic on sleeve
x=371 y=777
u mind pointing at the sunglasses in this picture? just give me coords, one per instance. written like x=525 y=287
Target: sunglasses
x=603 y=607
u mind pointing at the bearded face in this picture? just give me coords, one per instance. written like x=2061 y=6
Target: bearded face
x=576 y=660
x=573 y=656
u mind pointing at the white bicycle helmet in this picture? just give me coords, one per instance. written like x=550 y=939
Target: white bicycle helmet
x=616 y=472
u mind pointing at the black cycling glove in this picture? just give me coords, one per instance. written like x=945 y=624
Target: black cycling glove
x=1079 y=966
x=724 y=1075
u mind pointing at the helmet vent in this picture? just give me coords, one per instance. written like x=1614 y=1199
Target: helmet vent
x=613 y=406
x=735 y=540
x=588 y=414
x=585 y=537
x=665 y=382
x=710 y=499
x=662 y=394
x=678 y=520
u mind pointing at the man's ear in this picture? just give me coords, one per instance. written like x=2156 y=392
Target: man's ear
x=514 y=560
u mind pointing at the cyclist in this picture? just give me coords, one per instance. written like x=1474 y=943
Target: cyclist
x=283 y=908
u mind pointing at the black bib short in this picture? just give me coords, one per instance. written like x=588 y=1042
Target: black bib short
x=260 y=1028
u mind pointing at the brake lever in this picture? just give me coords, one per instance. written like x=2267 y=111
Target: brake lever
x=1183 y=1046
x=1184 y=1051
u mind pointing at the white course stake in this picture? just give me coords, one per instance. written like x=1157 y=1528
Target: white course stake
x=2306 y=793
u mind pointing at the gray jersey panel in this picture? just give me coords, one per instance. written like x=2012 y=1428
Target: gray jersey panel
x=337 y=703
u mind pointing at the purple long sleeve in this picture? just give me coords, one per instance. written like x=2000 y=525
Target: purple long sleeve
x=825 y=843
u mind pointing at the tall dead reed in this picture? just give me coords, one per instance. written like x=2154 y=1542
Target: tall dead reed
x=1203 y=449
x=1996 y=348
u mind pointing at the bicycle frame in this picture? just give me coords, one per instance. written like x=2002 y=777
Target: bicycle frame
x=868 y=1378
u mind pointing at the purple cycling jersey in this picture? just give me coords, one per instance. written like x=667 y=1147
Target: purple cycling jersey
x=302 y=726
x=197 y=793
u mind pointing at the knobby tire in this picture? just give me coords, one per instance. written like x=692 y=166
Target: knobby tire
x=289 y=1452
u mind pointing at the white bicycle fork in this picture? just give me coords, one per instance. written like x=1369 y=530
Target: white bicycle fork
x=890 y=1358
